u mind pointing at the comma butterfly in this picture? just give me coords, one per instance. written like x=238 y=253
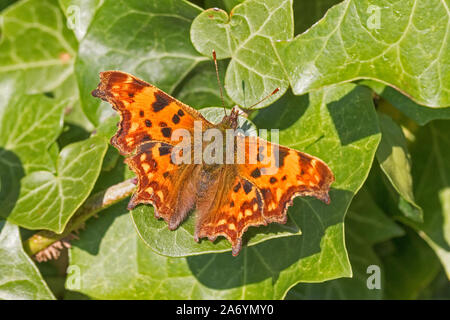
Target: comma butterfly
x=228 y=197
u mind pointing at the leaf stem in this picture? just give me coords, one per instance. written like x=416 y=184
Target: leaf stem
x=94 y=204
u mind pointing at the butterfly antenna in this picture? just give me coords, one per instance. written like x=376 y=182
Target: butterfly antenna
x=218 y=80
x=267 y=97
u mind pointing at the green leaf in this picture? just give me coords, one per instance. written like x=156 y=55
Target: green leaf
x=48 y=200
x=247 y=38
x=200 y=88
x=19 y=276
x=79 y=14
x=365 y=226
x=149 y=39
x=37 y=43
x=180 y=243
x=29 y=125
x=412 y=253
x=395 y=161
x=130 y=270
x=430 y=155
x=420 y=114
x=407 y=50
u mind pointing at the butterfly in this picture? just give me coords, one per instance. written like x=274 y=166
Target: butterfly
x=228 y=197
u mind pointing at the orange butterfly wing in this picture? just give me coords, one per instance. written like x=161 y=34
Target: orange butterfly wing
x=146 y=112
x=228 y=207
x=148 y=118
x=165 y=185
x=259 y=191
x=281 y=174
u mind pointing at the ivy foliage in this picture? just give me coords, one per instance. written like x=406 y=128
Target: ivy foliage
x=364 y=85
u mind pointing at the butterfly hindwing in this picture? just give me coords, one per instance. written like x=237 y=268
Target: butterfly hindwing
x=281 y=174
x=227 y=208
x=165 y=185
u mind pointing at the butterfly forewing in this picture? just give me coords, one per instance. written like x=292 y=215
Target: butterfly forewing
x=146 y=112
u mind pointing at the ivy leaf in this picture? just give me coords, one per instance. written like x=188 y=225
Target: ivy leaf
x=366 y=225
x=180 y=243
x=19 y=276
x=48 y=200
x=395 y=161
x=200 y=89
x=29 y=126
x=407 y=49
x=36 y=42
x=247 y=37
x=430 y=154
x=131 y=270
x=79 y=14
x=149 y=39
x=420 y=114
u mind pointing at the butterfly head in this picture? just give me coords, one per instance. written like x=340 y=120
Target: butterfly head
x=230 y=121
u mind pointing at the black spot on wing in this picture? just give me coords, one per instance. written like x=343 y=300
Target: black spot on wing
x=237 y=187
x=148 y=123
x=256 y=173
x=279 y=161
x=247 y=187
x=164 y=149
x=162 y=101
x=175 y=119
x=166 y=132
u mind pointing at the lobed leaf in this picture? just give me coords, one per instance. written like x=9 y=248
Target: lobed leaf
x=366 y=225
x=247 y=36
x=48 y=200
x=403 y=44
x=420 y=114
x=36 y=42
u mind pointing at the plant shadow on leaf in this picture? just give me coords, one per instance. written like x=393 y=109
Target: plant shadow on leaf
x=269 y=258
x=340 y=111
x=72 y=133
x=11 y=171
x=283 y=113
x=108 y=217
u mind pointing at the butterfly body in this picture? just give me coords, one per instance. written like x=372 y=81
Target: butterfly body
x=228 y=196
